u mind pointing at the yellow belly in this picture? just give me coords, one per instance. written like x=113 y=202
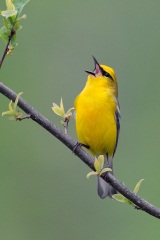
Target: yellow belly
x=95 y=122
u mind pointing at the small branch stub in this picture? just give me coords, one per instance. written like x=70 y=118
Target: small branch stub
x=24 y=117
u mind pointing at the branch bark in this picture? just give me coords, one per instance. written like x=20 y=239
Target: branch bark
x=84 y=156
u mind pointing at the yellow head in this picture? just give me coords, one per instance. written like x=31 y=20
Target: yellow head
x=103 y=76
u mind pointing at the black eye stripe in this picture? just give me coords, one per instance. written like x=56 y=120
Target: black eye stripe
x=104 y=73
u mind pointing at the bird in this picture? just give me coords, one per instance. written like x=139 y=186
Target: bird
x=97 y=117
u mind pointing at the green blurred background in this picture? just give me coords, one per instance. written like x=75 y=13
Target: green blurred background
x=44 y=193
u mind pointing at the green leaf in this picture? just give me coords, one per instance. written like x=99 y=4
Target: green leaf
x=5 y=113
x=119 y=197
x=58 y=111
x=98 y=163
x=17 y=99
x=91 y=174
x=4 y=33
x=106 y=170
x=55 y=105
x=10 y=5
x=129 y=202
x=138 y=186
x=10 y=111
x=9 y=13
x=19 y=5
x=10 y=107
x=97 y=166
x=101 y=161
x=15 y=114
x=17 y=26
x=61 y=105
x=24 y=16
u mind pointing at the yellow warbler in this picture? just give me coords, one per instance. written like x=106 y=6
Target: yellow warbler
x=98 y=118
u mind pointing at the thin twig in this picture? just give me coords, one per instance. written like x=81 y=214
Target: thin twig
x=23 y=118
x=86 y=158
x=6 y=49
x=66 y=121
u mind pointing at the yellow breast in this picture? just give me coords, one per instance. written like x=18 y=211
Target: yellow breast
x=95 y=110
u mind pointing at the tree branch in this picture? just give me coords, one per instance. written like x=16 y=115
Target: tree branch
x=6 y=49
x=84 y=156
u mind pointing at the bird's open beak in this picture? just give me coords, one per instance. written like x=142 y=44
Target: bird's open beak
x=91 y=73
x=97 y=69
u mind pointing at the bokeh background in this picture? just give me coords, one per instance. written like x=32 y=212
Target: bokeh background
x=44 y=193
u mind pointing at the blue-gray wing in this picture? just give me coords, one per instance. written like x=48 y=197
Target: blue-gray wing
x=117 y=117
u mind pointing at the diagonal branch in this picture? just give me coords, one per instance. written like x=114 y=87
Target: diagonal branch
x=87 y=159
x=6 y=49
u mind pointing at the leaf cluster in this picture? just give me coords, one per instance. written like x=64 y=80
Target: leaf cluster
x=12 y=22
x=98 y=165
x=120 y=198
x=14 y=113
x=60 y=111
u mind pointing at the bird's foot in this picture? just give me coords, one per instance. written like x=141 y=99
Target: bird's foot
x=78 y=144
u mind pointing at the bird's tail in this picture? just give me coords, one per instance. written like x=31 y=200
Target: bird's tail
x=103 y=188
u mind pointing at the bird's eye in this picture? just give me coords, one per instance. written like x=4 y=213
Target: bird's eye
x=106 y=74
